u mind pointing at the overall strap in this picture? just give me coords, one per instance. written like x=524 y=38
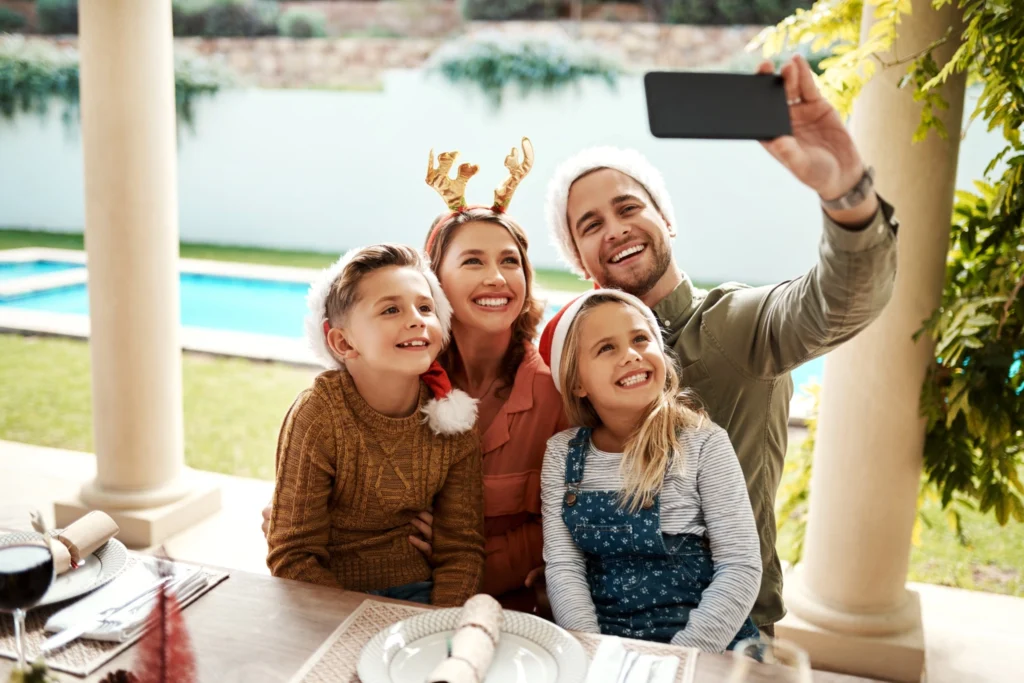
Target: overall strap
x=577 y=457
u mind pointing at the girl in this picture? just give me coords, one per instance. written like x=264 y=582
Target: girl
x=480 y=257
x=377 y=438
x=648 y=529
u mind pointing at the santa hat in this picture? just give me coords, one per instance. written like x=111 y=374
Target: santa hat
x=451 y=411
x=552 y=340
x=628 y=161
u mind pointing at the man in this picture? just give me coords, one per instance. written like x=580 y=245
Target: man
x=612 y=219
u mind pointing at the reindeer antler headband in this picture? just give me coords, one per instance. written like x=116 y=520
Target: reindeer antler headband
x=453 y=190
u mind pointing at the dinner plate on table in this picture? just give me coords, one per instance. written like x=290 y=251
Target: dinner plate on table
x=96 y=570
x=531 y=650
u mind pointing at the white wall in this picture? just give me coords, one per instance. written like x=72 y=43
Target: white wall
x=329 y=170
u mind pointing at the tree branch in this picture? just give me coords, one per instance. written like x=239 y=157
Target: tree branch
x=1009 y=304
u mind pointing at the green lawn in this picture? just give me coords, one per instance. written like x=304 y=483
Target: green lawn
x=11 y=239
x=234 y=408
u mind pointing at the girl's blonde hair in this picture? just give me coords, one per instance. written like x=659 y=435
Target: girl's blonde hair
x=524 y=330
x=653 y=446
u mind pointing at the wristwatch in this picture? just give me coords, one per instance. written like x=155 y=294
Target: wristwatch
x=864 y=187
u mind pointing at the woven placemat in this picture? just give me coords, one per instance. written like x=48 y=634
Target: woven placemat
x=336 y=659
x=82 y=657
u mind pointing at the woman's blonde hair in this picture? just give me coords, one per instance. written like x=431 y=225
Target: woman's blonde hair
x=653 y=446
x=524 y=330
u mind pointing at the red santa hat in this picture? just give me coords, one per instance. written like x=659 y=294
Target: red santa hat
x=628 y=161
x=451 y=411
x=552 y=340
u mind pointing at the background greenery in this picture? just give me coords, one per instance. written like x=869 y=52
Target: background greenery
x=33 y=76
x=972 y=395
x=492 y=63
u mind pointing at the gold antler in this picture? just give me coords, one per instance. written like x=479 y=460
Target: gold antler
x=516 y=172
x=452 y=191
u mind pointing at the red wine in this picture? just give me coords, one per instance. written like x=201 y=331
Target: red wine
x=26 y=572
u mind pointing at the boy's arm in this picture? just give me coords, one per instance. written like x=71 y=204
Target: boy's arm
x=735 y=549
x=459 y=529
x=300 y=522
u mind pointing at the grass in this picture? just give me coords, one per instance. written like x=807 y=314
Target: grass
x=233 y=407
x=233 y=412
x=547 y=278
x=992 y=561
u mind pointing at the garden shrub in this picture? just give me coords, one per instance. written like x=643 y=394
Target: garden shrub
x=11 y=21
x=301 y=23
x=57 y=17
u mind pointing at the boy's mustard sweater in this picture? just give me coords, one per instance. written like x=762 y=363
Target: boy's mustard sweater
x=350 y=479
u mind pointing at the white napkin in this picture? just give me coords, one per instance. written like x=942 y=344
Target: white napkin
x=613 y=663
x=126 y=624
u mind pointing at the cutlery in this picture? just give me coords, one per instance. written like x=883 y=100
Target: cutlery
x=72 y=633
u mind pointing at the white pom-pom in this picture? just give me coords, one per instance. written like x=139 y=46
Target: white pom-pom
x=453 y=414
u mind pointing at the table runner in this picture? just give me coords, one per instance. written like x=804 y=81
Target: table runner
x=336 y=659
x=82 y=657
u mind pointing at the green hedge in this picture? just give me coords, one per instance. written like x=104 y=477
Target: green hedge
x=499 y=10
x=302 y=23
x=729 y=12
x=494 y=62
x=34 y=75
x=11 y=21
x=57 y=17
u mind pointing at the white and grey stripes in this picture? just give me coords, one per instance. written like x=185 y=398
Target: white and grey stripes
x=708 y=498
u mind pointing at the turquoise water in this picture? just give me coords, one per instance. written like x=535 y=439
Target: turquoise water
x=233 y=304
x=10 y=271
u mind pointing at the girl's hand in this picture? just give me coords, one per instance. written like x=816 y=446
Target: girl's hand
x=535 y=580
x=266 y=519
x=534 y=576
x=424 y=523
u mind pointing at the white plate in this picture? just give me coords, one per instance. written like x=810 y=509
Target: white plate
x=96 y=570
x=531 y=650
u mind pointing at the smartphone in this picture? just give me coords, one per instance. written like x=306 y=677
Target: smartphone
x=723 y=106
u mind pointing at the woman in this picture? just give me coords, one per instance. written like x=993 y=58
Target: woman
x=480 y=257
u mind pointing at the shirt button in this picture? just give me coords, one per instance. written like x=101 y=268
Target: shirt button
x=570 y=499
x=648 y=505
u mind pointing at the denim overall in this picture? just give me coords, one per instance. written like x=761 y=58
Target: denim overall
x=644 y=583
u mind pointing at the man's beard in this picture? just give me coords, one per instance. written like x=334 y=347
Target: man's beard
x=639 y=284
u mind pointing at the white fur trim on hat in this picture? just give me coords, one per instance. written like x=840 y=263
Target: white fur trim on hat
x=570 y=313
x=628 y=161
x=453 y=414
x=320 y=289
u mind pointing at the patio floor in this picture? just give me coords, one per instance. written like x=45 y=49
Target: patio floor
x=970 y=636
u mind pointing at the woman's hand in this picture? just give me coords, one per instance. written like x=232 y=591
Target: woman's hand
x=424 y=523
x=535 y=580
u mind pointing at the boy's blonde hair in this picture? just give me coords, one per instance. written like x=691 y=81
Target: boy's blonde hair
x=653 y=446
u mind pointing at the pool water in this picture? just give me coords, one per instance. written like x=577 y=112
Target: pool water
x=10 y=271
x=240 y=305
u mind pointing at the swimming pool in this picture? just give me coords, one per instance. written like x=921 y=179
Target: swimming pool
x=10 y=270
x=233 y=304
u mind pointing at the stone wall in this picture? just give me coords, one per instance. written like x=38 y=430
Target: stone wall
x=357 y=62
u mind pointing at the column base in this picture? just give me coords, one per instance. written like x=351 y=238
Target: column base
x=143 y=528
x=899 y=657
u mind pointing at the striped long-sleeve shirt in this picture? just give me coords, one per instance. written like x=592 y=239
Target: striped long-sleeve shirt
x=707 y=498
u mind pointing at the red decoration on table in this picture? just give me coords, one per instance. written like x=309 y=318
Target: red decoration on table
x=165 y=653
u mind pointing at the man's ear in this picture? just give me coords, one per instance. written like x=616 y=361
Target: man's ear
x=340 y=345
x=668 y=226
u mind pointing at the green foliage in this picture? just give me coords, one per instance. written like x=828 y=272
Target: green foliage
x=300 y=23
x=11 y=21
x=225 y=18
x=973 y=394
x=730 y=12
x=492 y=63
x=34 y=74
x=795 y=491
x=57 y=17
x=499 y=10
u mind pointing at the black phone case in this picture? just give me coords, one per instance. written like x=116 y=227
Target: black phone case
x=721 y=106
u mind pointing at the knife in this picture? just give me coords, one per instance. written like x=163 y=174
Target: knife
x=71 y=633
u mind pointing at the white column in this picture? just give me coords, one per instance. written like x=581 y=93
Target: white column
x=867 y=460
x=131 y=236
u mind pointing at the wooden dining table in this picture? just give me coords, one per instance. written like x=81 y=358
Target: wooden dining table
x=254 y=628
